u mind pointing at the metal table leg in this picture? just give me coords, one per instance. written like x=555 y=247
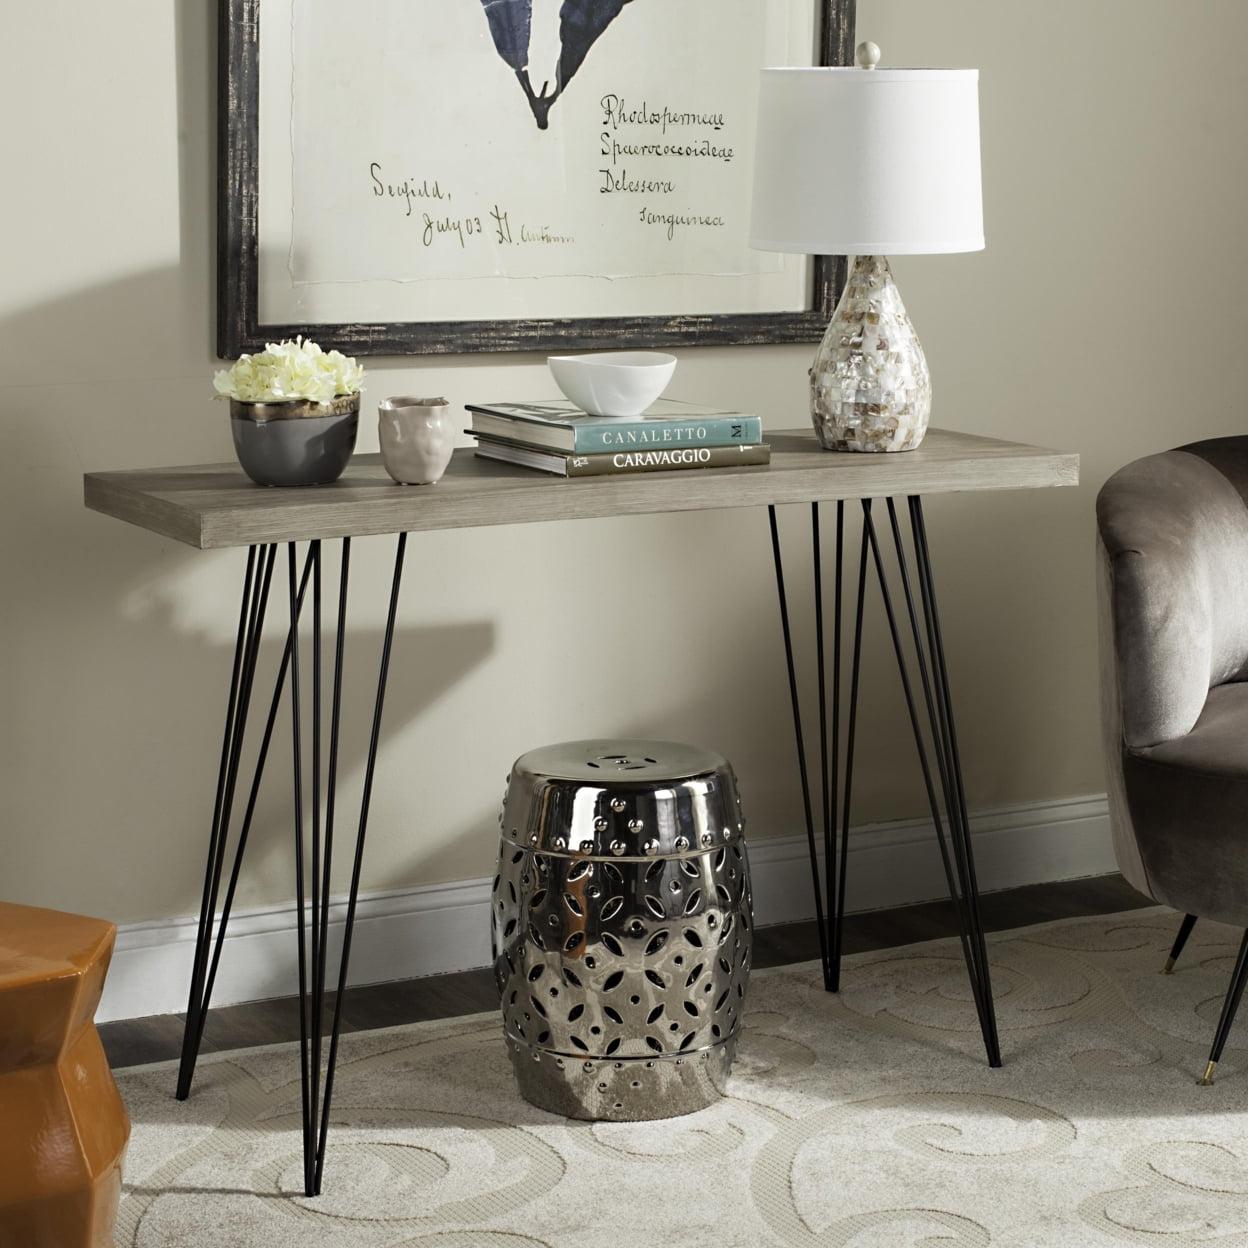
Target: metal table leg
x=933 y=682
x=316 y=1069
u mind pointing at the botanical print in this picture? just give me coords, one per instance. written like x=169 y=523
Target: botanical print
x=491 y=159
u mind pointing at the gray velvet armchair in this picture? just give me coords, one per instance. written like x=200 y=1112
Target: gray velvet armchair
x=1172 y=555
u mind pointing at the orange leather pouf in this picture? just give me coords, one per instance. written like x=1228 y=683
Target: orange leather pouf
x=63 y=1128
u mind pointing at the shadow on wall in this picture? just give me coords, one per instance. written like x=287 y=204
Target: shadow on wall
x=428 y=662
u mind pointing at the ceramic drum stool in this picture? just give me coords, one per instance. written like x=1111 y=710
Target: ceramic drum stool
x=622 y=927
x=63 y=1128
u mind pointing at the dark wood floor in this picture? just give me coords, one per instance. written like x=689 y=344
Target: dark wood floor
x=139 y=1040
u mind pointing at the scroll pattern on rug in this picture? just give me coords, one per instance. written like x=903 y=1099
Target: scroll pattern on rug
x=864 y=1120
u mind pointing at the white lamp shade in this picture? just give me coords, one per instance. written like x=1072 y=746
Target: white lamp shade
x=855 y=162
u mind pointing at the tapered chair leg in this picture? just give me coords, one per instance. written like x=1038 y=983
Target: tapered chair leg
x=1185 y=930
x=1233 y=994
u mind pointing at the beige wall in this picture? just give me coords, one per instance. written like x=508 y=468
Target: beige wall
x=1106 y=316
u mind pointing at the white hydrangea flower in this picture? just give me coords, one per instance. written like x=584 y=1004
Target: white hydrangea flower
x=290 y=371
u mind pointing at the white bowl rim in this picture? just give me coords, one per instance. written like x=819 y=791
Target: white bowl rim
x=617 y=359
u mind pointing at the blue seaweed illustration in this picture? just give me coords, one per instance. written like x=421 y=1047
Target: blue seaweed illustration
x=511 y=23
x=581 y=23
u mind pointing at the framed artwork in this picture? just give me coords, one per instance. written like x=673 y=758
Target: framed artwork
x=429 y=176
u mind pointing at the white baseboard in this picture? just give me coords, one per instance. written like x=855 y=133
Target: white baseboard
x=438 y=928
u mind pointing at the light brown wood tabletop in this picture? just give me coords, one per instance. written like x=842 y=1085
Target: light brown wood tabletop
x=215 y=505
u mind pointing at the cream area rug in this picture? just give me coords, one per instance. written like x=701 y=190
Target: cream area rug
x=864 y=1120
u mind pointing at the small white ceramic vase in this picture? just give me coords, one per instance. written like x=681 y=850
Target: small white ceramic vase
x=417 y=438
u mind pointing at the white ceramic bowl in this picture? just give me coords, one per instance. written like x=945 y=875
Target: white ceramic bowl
x=613 y=383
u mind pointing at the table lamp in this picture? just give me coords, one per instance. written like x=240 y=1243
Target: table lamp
x=865 y=162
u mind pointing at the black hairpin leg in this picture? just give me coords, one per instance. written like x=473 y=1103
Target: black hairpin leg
x=312 y=869
x=915 y=726
x=1234 y=994
x=202 y=984
x=256 y=583
x=1185 y=930
x=955 y=792
x=800 y=736
x=318 y=1124
x=933 y=682
x=838 y=943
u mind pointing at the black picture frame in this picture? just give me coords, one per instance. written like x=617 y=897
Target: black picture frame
x=238 y=270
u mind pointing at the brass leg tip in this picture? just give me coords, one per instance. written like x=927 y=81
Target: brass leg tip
x=1207 y=1078
x=1168 y=969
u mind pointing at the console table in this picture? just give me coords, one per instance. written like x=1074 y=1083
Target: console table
x=215 y=506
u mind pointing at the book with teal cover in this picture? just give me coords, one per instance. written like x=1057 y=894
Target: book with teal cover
x=559 y=425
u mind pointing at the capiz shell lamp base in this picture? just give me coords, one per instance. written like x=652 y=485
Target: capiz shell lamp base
x=869 y=386
x=868 y=162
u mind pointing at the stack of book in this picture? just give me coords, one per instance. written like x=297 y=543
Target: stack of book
x=558 y=437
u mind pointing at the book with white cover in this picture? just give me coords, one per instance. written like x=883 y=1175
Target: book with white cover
x=559 y=425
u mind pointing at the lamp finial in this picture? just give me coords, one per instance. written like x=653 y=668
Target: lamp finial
x=868 y=55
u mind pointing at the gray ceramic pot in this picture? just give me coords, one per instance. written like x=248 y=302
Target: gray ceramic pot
x=297 y=443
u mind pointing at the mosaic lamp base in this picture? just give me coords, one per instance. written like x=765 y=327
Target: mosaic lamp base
x=869 y=386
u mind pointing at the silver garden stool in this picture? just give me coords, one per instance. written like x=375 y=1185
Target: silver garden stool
x=622 y=927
